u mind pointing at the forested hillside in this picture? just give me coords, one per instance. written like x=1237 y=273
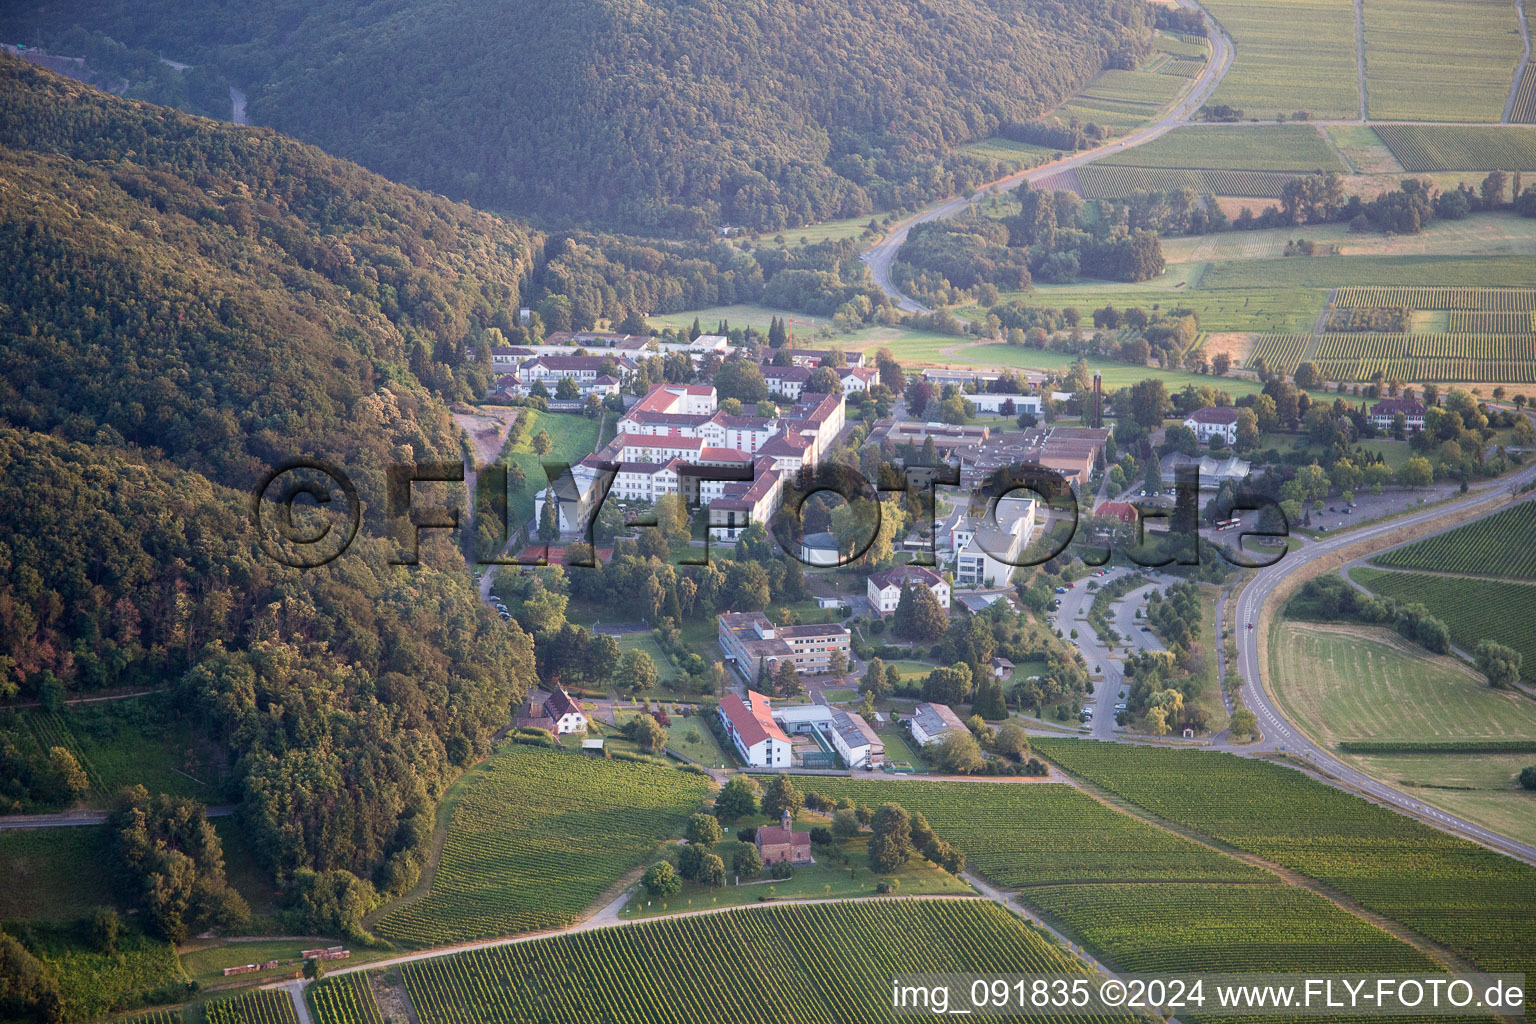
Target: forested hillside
x=184 y=305
x=669 y=115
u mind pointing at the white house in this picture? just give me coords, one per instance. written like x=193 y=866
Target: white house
x=750 y=725
x=930 y=722
x=992 y=404
x=988 y=552
x=1384 y=411
x=819 y=549
x=565 y=713
x=884 y=588
x=1213 y=421
x=855 y=742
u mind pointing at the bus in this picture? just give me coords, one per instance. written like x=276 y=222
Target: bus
x=1228 y=524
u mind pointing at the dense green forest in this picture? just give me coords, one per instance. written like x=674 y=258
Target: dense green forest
x=661 y=116
x=186 y=304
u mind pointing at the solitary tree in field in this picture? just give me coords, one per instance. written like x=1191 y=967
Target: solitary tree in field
x=661 y=881
x=1499 y=663
x=704 y=830
x=748 y=863
x=736 y=799
x=782 y=795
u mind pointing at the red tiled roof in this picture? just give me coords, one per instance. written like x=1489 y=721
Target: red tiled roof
x=559 y=704
x=1214 y=414
x=753 y=724
x=778 y=835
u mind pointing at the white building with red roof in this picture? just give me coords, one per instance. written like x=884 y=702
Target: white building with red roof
x=757 y=737
x=1213 y=421
x=565 y=714
x=884 y=588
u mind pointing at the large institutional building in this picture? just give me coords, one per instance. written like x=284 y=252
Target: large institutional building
x=751 y=642
x=675 y=440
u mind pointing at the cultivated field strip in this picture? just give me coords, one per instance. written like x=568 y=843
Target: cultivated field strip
x=1427 y=147
x=1359 y=356
x=1101 y=181
x=1019 y=835
x=153 y=1017
x=1524 y=111
x=1496 y=545
x=1482 y=322
x=1477 y=902
x=1473 y=610
x=1497 y=300
x=1281 y=352
x=1183 y=67
x=1223 y=928
x=812 y=964
x=259 y=1006
x=537 y=839
x=343 y=999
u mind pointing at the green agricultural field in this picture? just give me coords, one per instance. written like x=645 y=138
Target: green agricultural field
x=1291 y=55
x=1496 y=545
x=1116 y=375
x=1333 y=271
x=1171 y=928
x=261 y=1006
x=1472 y=609
x=574 y=437
x=1480 y=788
x=54 y=874
x=1252 y=306
x=1103 y=181
x=1362 y=149
x=824 y=962
x=1289 y=147
x=1022 y=834
x=92 y=983
x=741 y=314
x=850 y=879
x=1122 y=100
x=1440 y=147
x=1479 y=903
x=343 y=999
x=666 y=672
x=537 y=838
x=827 y=231
x=172 y=1016
x=1430 y=60
x=1346 y=683
x=1021 y=155
x=124 y=743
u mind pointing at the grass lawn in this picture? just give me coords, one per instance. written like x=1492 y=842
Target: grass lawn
x=55 y=874
x=1210 y=694
x=691 y=737
x=917 y=877
x=1343 y=683
x=1478 y=787
x=1291 y=55
x=912 y=670
x=1288 y=147
x=899 y=748
x=810 y=234
x=666 y=673
x=840 y=696
x=574 y=436
x=1435 y=61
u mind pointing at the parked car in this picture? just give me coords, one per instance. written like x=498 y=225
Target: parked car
x=1121 y=706
x=1061 y=590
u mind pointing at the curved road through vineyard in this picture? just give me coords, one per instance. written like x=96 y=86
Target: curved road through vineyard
x=1279 y=732
x=883 y=253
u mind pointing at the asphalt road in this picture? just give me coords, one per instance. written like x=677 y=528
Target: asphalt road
x=1280 y=734
x=883 y=253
